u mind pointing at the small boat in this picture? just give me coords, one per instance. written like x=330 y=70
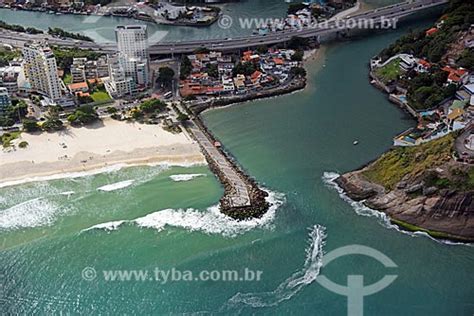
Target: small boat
x=355 y=142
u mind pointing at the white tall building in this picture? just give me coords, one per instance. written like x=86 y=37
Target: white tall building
x=132 y=44
x=118 y=84
x=41 y=70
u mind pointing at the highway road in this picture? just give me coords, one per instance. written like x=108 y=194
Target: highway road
x=394 y=11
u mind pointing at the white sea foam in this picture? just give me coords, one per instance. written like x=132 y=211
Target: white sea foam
x=31 y=213
x=186 y=177
x=116 y=186
x=109 y=226
x=67 y=193
x=65 y=175
x=111 y=168
x=361 y=209
x=292 y=285
x=211 y=221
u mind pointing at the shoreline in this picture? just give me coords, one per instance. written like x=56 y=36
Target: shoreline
x=161 y=22
x=374 y=197
x=108 y=145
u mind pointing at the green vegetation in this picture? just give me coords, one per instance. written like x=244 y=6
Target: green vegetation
x=298 y=55
x=30 y=125
x=298 y=72
x=212 y=70
x=466 y=59
x=64 y=56
x=399 y=162
x=246 y=69
x=201 y=50
x=23 y=144
x=67 y=78
x=414 y=228
x=19 y=28
x=152 y=105
x=298 y=43
x=14 y=113
x=55 y=31
x=52 y=123
x=389 y=72
x=458 y=17
x=83 y=115
x=96 y=2
x=427 y=90
x=182 y=117
x=166 y=75
x=100 y=96
x=185 y=68
x=7 y=138
x=7 y=55
x=459 y=177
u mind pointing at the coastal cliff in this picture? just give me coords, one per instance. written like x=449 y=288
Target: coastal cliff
x=436 y=197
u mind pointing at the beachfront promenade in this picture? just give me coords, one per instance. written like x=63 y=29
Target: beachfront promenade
x=238 y=193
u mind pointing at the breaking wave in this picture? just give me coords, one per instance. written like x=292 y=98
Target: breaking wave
x=31 y=213
x=292 y=285
x=106 y=226
x=186 y=177
x=211 y=221
x=361 y=209
x=116 y=186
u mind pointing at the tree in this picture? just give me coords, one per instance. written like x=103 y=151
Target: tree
x=298 y=55
x=166 y=75
x=85 y=114
x=186 y=67
x=23 y=144
x=263 y=49
x=297 y=42
x=212 y=70
x=298 y=71
x=182 y=117
x=152 y=105
x=246 y=68
x=30 y=125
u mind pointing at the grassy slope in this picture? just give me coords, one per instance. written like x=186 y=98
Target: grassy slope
x=389 y=169
x=389 y=72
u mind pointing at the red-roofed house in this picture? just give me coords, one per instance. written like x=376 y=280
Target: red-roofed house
x=278 y=61
x=431 y=31
x=455 y=75
x=422 y=66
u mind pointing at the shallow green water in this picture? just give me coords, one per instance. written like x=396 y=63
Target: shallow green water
x=287 y=144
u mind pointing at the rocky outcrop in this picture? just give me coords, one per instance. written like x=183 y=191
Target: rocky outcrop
x=446 y=214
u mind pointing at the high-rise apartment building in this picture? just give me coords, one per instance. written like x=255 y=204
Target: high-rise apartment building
x=41 y=70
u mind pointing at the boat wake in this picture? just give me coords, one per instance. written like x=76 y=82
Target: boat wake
x=361 y=209
x=292 y=285
x=212 y=221
x=186 y=177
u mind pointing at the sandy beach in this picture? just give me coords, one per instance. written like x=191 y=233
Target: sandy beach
x=98 y=146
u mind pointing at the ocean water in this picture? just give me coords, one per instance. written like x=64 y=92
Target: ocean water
x=142 y=218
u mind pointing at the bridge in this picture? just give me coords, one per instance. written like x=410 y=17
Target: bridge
x=395 y=11
x=333 y=26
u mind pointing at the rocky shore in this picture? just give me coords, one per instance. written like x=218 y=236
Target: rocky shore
x=413 y=205
x=295 y=85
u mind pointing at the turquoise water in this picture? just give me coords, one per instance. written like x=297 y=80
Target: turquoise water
x=287 y=144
